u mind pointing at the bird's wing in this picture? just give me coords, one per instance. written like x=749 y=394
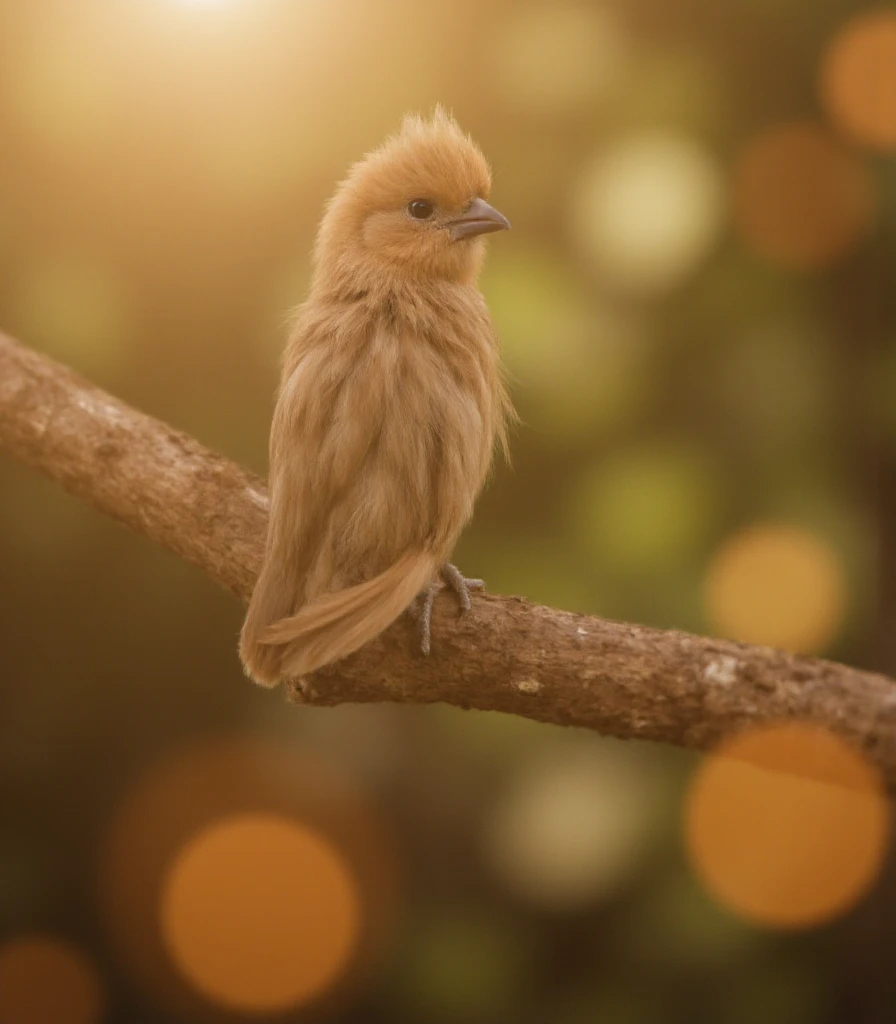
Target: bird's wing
x=322 y=430
x=313 y=454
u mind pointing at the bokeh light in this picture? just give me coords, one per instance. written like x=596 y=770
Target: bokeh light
x=164 y=166
x=778 y=585
x=786 y=825
x=46 y=980
x=574 y=824
x=801 y=198
x=246 y=876
x=561 y=57
x=260 y=913
x=613 y=507
x=582 y=367
x=533 y=296
x=858 y=78
x=647 y=210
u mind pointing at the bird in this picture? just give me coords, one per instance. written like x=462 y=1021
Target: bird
x=391 y=405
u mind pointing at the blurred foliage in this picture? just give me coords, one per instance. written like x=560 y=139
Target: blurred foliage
x=700 y=342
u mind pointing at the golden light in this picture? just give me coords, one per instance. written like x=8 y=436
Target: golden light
x=801 y=198
x=574 y=825
x=62 y=85
x=559 y=57
x=45 y=980
x=858 y=78
x=245 y=875
x=779 y=849
x=646 y=211
x=778 y=585
x=260 y=913
x=74 y=308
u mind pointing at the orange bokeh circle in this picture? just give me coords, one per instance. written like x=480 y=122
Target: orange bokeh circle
x=233 y=811
x=786 y=825
x=44 y=980
x=801 y=198
x=260 y=913
x=777 y=585
x=858 y=79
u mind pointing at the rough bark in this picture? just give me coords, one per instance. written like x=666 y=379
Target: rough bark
x=621 y=680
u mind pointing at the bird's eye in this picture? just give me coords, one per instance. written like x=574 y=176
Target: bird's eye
x=421 y=209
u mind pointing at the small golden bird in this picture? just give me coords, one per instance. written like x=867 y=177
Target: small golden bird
x=390 y=404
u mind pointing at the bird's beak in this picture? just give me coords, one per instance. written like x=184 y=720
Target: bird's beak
x=478 y=219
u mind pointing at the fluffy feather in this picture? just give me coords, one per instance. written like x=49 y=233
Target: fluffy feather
x=390 y=403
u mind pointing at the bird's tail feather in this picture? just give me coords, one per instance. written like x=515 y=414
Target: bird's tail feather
x=273 y=597
x=335 y=625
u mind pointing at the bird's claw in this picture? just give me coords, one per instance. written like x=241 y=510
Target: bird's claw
x=421 y=607
x=460 y=585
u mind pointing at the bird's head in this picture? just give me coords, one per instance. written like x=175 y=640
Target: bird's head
x=415 y=207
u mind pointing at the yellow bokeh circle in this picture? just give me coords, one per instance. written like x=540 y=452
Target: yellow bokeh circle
x=648 y=209
x=786 y=825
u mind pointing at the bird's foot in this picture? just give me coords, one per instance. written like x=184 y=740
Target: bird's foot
x=421 y=607
x=454 y=578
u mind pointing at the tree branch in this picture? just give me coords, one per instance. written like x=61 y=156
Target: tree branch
x=552 y=666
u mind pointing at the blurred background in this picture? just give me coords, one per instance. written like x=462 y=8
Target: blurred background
x=697 y=309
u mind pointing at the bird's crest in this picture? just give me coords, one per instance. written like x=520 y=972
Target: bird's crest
x=429 y=156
